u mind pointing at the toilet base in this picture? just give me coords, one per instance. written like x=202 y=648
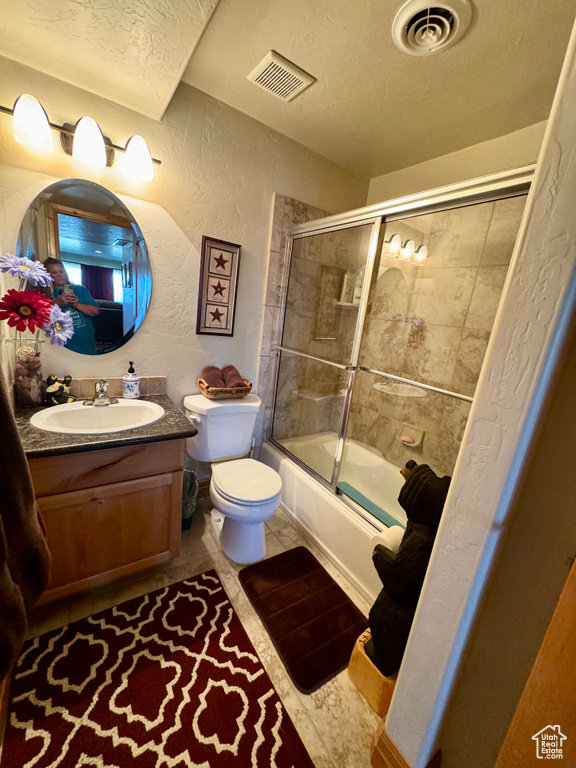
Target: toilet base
x=216 y=521
x=243 y=542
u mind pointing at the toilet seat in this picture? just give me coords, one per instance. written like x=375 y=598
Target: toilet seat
x=246 y=482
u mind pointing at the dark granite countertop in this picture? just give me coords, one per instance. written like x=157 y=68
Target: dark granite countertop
x=39 y=444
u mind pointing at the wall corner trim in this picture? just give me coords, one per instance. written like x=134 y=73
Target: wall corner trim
x=385 y=754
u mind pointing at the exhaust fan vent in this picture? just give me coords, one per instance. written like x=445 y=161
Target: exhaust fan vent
x=280 y=77
x=421 y=29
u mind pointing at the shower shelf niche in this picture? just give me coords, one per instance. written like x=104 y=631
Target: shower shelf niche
x=399 y=389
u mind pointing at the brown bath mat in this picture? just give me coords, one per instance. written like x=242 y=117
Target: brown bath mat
x=311 y=621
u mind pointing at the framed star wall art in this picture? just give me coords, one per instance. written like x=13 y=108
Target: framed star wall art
x=219 y=263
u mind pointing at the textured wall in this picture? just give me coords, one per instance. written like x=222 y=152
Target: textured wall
x=132 y=52
x=509 y=151
x=220 y=170
x=523 y=354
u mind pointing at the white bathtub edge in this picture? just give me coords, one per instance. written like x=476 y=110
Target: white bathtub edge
x=344 y=537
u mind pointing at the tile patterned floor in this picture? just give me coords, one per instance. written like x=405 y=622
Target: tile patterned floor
x=335 y=722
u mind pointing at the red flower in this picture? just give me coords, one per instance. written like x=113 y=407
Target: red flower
x=25 y=310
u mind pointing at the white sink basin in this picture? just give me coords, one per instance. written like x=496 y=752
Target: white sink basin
x=77 y=418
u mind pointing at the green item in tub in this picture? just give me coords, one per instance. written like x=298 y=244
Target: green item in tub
x=370 y=506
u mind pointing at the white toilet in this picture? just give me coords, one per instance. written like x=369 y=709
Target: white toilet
x=245 y=493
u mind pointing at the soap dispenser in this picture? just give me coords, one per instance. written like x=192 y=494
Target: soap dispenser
x=131 y=383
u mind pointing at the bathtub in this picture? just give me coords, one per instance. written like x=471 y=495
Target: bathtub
x=343 y=534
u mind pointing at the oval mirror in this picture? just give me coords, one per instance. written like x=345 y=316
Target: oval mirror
x=104 y=256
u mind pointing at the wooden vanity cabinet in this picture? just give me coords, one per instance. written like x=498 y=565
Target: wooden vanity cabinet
x=110 y=512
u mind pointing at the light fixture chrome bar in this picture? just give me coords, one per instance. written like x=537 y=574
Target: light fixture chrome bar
x=418 y=384
x=311 y=357
x=62 y=129
x=509 y=182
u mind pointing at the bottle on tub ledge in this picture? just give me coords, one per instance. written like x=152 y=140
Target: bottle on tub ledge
x=131 y=383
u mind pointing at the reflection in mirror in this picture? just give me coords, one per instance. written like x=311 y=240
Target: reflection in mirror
x=106 y=280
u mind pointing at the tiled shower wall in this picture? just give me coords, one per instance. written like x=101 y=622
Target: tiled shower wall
x=286 y=212
x=432 y=324
x=429 y=324
x=310 y=394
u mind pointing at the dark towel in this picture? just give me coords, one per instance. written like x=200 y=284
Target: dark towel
x=232 y=377
x=423 y=495
x=24 y=555
x=213 y=376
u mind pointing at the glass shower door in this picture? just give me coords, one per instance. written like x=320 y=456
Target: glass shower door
x=424 y=339
x=325 y=307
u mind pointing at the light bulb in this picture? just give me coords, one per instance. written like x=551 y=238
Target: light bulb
x=421 y=256
x=138 y=160
x=407 y=250
x=88 y=144
x=392 y=246
x=30 y=124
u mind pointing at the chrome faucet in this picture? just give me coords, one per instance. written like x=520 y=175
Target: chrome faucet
x=101 y=394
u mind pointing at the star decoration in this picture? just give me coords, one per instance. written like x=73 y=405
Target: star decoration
x=217 y=316
x=219 y=289
x=221 y=261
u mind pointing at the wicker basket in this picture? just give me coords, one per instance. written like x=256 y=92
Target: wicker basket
x=224 y=393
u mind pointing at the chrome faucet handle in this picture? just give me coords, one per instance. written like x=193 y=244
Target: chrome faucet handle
x=101 y=388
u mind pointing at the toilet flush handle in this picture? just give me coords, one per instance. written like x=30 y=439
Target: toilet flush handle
x=194 y=419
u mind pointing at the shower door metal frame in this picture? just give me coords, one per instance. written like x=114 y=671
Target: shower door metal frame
x=496 y=186
x=373 y=249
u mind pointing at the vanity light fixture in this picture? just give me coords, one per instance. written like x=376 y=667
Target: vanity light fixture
x=88 y=143
x=30 y=125
x=138 y=160
x=407 y=250
x=420 y=256
x=392 y=245
x=84 y=141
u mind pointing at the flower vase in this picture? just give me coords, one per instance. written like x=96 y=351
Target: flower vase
x=29 y=388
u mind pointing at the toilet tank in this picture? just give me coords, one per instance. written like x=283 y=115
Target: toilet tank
x=225 y=427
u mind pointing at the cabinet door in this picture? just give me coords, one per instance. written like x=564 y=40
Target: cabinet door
x=98 y=534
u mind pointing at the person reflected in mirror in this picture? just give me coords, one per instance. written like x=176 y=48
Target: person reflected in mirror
x=77 y=300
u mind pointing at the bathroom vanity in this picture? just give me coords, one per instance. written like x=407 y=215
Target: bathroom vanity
x=111 y=503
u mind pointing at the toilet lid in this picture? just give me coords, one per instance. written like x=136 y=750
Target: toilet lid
x=246 y=481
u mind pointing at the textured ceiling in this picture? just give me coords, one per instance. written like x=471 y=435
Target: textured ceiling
x=373 y=108
x=132 y=52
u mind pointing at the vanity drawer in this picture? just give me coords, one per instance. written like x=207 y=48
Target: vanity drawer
x=74 y=471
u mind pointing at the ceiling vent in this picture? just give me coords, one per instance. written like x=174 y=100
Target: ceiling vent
x=280 y=77
x=421 y=29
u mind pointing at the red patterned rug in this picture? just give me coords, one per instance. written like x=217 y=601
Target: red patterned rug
x=168 y=679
